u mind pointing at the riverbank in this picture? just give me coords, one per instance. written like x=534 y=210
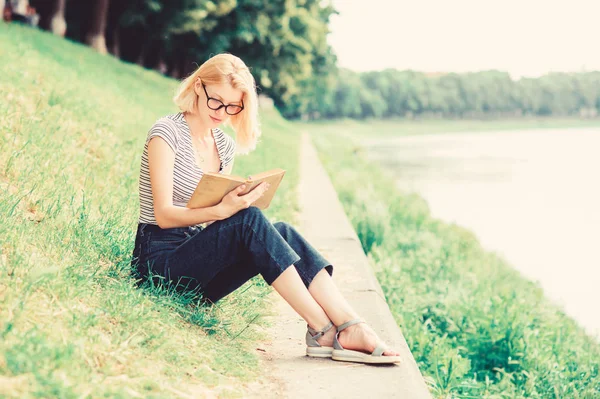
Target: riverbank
x=526 y=194
x=387 y=128
x=475 y=326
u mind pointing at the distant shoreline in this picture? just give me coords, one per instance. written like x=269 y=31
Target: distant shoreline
x=403 y=127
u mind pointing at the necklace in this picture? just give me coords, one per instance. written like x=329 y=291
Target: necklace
x=201 y=158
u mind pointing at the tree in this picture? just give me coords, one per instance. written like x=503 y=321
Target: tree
x=95 y=36
x=52 y=15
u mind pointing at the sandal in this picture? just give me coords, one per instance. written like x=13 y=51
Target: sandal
x=313 y=348
x=346 y=355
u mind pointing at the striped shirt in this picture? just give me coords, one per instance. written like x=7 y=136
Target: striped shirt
x=186 y=174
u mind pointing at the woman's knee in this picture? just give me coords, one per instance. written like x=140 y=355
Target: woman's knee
x=279 y=225
x=285 y=229
x=251 y=215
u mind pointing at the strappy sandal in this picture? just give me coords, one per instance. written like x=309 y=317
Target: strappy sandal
x=313 y=348
x=346 y=355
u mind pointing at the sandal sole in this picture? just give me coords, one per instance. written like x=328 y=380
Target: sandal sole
x=322 y=351
x=346 y=355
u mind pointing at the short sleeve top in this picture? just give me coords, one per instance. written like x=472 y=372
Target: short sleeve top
x=186 y=173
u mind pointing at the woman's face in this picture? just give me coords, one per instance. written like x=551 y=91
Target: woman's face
x=224 y=93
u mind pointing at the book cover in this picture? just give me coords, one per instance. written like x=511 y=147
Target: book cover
x=212 y=187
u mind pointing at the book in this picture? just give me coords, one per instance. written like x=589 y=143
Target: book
x=212 y=187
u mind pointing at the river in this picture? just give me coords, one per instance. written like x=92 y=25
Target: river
x=532 y=196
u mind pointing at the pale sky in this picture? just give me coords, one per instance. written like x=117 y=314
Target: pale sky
x=523 y=37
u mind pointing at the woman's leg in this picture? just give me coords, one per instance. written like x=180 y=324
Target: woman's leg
x=316 y=273
x=248 y=236
x=313 y=266
x=357 y=337
x=245 y=238
x=310 y=260
x=228 y=280
x=289 y=285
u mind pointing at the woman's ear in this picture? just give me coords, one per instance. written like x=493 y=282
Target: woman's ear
x=198 y=86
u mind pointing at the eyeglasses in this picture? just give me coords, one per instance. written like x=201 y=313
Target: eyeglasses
x=216 y=104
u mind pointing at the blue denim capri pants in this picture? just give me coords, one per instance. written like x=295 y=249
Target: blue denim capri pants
x=220 y=258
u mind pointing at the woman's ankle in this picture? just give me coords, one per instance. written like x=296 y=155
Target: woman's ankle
x=327 y=338
x=323 y=328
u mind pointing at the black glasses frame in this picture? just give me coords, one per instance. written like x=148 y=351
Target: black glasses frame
x=208 y=98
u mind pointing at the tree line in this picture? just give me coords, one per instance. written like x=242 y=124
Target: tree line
x=284 y=43
x=393 y=93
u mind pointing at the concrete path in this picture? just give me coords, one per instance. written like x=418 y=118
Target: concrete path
x=325 y=225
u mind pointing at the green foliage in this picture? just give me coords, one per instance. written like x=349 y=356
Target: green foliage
x=72 y=321
x=392 y=93
x=285 y=45
x=475 y=326
x=283 y=42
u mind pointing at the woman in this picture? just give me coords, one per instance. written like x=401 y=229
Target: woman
x=239 y=242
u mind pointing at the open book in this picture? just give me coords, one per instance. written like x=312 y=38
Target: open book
x=214 y=186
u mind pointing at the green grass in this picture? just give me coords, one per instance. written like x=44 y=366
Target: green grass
x=475 y=326
x=402 y=127
x=72 y=322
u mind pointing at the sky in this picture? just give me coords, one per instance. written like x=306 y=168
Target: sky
x=522 y=37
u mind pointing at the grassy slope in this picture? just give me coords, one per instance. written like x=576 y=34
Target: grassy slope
x=72 y=324
x=476 y=327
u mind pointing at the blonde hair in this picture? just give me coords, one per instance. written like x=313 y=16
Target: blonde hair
x=220 y=69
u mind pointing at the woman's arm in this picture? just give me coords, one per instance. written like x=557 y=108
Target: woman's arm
x=161 y=160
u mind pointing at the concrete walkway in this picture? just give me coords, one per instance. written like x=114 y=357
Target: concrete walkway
x=325 y=225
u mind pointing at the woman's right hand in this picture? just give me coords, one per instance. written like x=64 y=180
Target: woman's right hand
x=233 y=202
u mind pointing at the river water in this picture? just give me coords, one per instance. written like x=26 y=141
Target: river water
x=532 y=196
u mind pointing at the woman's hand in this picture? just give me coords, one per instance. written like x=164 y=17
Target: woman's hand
x=233 y=202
